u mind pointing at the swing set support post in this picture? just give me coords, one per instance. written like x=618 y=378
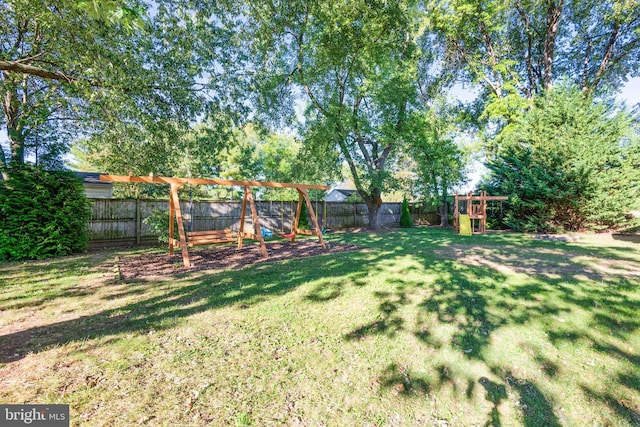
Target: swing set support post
x=303 y=194
x=256 y=222
x=212 y=237
x=243 y=213
x=175 y=206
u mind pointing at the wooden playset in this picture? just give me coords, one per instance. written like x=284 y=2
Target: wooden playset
x=475 y=218
x=197 y=238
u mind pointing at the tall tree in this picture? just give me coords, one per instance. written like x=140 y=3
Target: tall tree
x=73 y=68
x=354 y=60
x=517 y=49
x=439 y=161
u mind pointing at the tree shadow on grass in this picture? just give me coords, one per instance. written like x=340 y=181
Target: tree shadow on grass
x=388 y=323
x=178 y=301
x=458 y=297
x=477 y=300
x=39 y=277
x=623 y=407
x=536 y=409
x=495 y=393
x=403 y=382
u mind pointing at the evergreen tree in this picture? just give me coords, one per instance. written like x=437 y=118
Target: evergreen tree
x=42 y=214
x=569 y=164
x=405 y=216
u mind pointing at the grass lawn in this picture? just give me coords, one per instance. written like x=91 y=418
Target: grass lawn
x=422 y=327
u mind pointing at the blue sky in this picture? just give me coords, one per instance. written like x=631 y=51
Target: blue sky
x=631 y=92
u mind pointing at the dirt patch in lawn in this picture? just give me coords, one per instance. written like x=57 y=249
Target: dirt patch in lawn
x=551 y=263
x=223 y=257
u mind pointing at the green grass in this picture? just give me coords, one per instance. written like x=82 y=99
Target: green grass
x=422 y=327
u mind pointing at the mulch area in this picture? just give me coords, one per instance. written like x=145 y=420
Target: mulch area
x=223 y=257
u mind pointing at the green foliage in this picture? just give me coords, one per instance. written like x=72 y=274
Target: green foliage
x=518 y=50
x=568 y=164
x=260 y=154
x=129 y=81
x=43 y=214
x=405 y=216
x=158 y=222
x=356 y=64
x=303 y=224
x=438 y=160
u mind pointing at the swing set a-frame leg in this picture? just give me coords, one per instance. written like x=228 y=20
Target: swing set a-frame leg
x=174 y=209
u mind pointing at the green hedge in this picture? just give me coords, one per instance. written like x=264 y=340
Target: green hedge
x=43 y=214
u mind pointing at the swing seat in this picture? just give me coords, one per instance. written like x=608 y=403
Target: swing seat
x=211 y=237
x=304 y=232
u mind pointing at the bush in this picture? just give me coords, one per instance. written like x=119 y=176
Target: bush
x=405 y=217
x=303 y=223
x=43 y=214
x=158 y=223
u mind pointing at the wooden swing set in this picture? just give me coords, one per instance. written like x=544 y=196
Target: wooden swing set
x=475 y=220
x=210 y=237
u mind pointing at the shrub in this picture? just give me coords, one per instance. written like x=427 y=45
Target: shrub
x=43 y=214
x=405 y=217
x=158 y=223
x=303 y=223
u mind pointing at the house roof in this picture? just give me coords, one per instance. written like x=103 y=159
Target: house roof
x=346 y=193
x=92 y=178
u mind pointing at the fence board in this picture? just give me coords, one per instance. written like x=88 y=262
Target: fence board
x=118 y=221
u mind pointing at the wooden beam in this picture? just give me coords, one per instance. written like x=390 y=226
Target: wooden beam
x=296 y=220
x=479 y=198
x=312 y=214
x=456 y=216
x=183 y=236
x=172 y=218
x=256 y=222
x=243 y=213
x=201 y=181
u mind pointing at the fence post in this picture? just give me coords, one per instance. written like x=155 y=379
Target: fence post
x=324 y=214
x=355 y=214
x=138 y=223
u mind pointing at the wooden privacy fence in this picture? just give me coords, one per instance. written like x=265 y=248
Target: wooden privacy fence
x=121 y=221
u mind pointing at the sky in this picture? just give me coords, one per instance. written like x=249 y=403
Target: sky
x=631 y=92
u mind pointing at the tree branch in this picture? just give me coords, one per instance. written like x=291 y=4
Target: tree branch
x=553 y=19
x=606 y=58
x=18 y=67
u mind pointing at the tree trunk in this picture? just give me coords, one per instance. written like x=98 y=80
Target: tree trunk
x=553 y=19
x=373 y=208
x=373 y=202
x=3 y=165
x=11 y=107
x=444 y=212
